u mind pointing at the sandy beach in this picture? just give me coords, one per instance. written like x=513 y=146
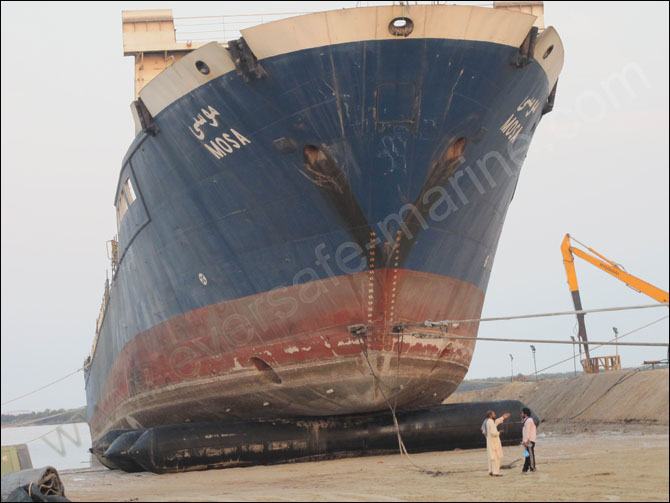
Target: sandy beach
x=595 y=464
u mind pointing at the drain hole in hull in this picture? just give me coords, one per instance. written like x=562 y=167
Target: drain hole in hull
x=266 y=371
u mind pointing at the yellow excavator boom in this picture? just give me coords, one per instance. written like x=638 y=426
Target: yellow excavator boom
x=610 y=267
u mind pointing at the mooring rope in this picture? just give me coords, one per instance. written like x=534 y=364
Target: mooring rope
x=596 y=347
x=43 y=387
x=429 y=323
x=535 y=341
x=619 y=381
x=401 y=445
x=43 y=435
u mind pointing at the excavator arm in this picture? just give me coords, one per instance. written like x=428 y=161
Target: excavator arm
x=610 y=267
x=569 y=263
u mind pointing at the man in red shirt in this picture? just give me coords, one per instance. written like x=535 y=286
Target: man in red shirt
x=529 y=437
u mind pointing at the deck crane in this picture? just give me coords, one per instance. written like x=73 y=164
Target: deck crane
x=569 y=252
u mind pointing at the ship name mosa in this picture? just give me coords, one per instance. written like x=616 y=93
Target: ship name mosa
x=512 y=126
x=223 y=143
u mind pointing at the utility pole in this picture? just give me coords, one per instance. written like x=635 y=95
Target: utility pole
x=616 y=345
x=532 y=348
x=580 y=351
x=574 y=356
x=511 y=359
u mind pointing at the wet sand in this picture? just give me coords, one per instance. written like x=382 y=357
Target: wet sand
x=617 y=465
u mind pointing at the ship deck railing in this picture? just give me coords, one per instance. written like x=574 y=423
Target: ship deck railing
x=224 y=28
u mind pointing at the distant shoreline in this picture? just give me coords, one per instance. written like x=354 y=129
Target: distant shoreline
x=78 y=415
x=46 y=417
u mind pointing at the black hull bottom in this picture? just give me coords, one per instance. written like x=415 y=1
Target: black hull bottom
x=201 y=446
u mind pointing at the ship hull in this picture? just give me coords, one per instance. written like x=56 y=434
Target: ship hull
x=360 y=184
x=239 y=360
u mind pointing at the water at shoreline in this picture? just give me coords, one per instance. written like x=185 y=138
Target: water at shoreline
x=63 y=446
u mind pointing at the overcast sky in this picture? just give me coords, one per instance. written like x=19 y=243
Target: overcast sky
x=597 y=168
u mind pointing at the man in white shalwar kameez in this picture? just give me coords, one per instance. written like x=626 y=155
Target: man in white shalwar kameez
x=493 y=444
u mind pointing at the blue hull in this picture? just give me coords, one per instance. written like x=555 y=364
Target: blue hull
x=409 y=149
